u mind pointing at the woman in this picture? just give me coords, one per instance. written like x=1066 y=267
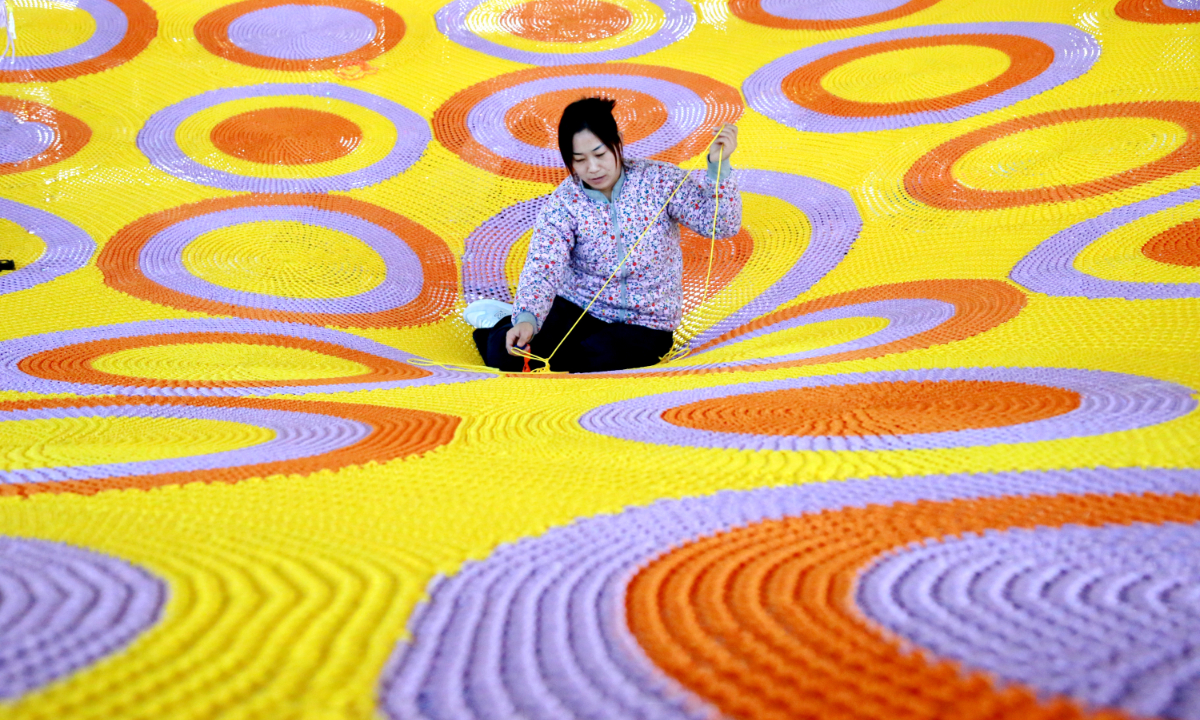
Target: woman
x=583 y=231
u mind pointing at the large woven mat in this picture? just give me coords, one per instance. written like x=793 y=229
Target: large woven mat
x=935 y=451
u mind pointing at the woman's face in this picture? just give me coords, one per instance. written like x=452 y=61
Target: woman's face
x=593 y=162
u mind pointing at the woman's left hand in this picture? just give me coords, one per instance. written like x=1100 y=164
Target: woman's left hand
x=725 y=143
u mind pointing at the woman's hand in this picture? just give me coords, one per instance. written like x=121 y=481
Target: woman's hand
x=725 y=143
x=519 y=335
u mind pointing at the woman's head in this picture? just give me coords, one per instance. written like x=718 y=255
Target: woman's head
x=590 y=142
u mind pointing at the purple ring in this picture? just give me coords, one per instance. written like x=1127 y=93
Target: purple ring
x=1110 y=402
x=1074 y=54
x=487 y=247
x=297 y=435
x=685 y=114
x=21 y=140
x=111 y=26
x=161 y=260
x=68 y=247
x=12 y=352
x=678 y=23
x=833 y=10
x=157 y=140
x=301 y=32
x=538 y=629
x=1118 y=601
x=62 y=608
x=1050 y=267
x=1183 y=4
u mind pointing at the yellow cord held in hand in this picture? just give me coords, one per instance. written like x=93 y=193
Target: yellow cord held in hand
x=674 y=353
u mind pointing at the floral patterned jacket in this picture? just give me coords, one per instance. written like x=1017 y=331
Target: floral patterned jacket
x=580 y=238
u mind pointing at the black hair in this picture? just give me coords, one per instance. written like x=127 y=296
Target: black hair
x=593 y=114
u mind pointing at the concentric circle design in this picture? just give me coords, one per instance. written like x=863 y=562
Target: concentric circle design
x=62 y=608
x=931 y=179
x=1051 y=269
x=1114 y=599
x=300 y=35
x=577 y=657
x=507 y=124
x=66 y=361
x=144 y=259
x=489 y=251
x=158 y=140
x=1043 y=55
x=1179 y=245
x=824 y=14
x=287 y=136
x=885 y=410
x=919 y=314
x=1159 y=12
x=68 y=247
x=680 y=18
x=33 y=135
x=123 y=30
x=309 y=436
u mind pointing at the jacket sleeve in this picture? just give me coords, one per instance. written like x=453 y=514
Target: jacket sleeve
x=547 y=263
x=693 y=205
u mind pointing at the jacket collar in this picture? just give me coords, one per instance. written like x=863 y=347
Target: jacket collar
x=599 y=196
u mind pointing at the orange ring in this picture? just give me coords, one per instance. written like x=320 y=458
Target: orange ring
x=1154 y=11
x=141 y=27
x=1028 y=57
x=1179 y=245
x=396 y=433
x=73 y=363
x=762 y=621
x=70 y=133
x=119 y=263
x=212 y=31
x=752 y=11
x=932 y=181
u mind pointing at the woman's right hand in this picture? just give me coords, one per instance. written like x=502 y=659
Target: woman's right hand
x=518 y=336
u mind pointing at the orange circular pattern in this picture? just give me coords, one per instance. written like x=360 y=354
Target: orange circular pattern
x=1155 y=11
x=752 y=11
x=140 y=28
x=1179 y=245
x=451 y=130
x=729 y=256
x=212 y=31
x=566 y=21
x=70 y=133
x=73 y=363
x=1029 y=58
x=931 y=179
x=118 y=260
x=896 y=408
x=287 y=136
x=535 y=121
x=761 y=621
x=396 y=433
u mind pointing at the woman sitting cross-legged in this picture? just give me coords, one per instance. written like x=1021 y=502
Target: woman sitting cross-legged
x=584 y=230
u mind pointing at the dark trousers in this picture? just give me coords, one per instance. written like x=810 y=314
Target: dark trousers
x=593 y=346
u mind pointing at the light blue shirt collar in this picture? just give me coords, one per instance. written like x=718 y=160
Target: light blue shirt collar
x=599 y=196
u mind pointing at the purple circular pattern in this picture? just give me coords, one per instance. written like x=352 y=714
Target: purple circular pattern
x=538 y=629
x=161 y=260
x=830 y=211
x=157 y=140
x=13 y=351
x=686 y=113
x=1074 y=54
x=1183 y=4
x=828 y=9
x=678 y=23
x=111 y=26
x=1110 y=402
x=1105 y=615
x=62 y=608
x=302 y=32
x=21 y=140
x=68 y=247
x=297 y=435
x=1050 y=268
